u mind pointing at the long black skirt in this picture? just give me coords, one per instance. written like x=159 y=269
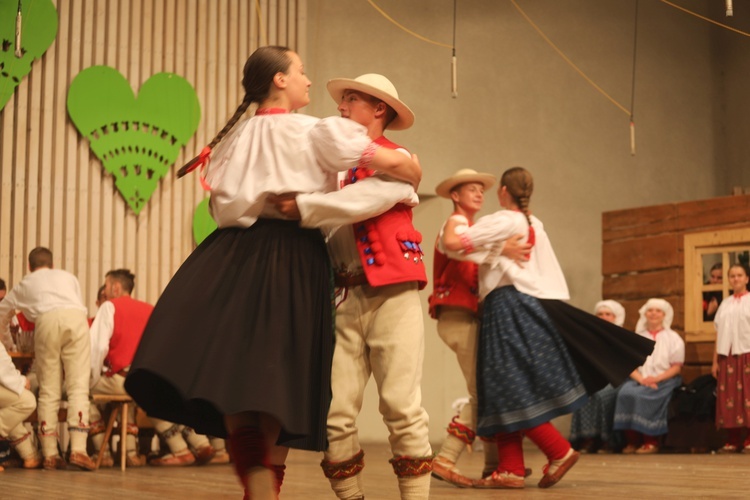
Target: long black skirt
x=538 y=359
x=246 y=324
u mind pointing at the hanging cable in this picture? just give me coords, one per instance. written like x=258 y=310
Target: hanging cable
x=383 y=13
x=19 y=51
x=567 y=60
x=683 y=9
x=632 y=86
x=454 y=76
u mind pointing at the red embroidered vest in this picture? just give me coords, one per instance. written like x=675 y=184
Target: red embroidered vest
x=388 y=245
x=131 y=317
x=455 y=283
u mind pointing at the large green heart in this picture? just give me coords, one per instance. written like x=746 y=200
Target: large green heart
x=136 y=139
x=38 y=31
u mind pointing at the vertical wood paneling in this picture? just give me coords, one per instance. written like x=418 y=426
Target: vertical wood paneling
x=54 y=191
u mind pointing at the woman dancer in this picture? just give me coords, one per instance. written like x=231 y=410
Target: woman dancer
x=240 y=342
x=537 y=358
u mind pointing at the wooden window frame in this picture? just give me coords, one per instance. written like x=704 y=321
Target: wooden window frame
x=697 y=245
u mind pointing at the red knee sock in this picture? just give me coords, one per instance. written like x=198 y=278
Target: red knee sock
x=652 y=440
x=510 y=453
x=633 y=438
x=249 y=448
x=549 y=440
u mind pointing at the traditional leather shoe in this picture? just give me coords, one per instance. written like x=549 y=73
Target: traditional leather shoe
x=446 y=471
x=135 y=460
x=526 y=473
x=54 y=462
x=551 y=478
x=500 y=480
x=728 y=448
x=221 y=457
x=172 y=460
x=107 y=460
x=81 y=460
x=647 y=449
x=204 y=454
x=33 y=462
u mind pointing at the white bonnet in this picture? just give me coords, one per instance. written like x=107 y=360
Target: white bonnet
x=614 y=307
x=655 y=304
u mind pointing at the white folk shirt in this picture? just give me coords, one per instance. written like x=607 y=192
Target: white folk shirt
x=732 y=322
x=101 y=333
x=669 y=350
x=540 y=276
x=39 y=292
x=277 y=154
x=10 y=377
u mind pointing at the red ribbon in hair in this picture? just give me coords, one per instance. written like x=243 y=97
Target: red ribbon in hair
x=199 y=161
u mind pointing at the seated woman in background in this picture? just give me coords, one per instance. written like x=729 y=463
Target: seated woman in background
x=642 y=402
x=731 y=365
x=591 y=426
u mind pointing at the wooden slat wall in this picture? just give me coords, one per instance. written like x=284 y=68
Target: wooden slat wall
x=54 y=191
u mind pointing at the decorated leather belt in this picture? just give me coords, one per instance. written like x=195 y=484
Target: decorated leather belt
x=349 y=280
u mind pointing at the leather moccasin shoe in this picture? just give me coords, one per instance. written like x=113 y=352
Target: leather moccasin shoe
x=446 y=471
x=107 y=460
x=500 y=480
x=81 y=460
x=561 y=467
x=172 y=460
x=54 y=462
x=33 y=462
x=647 y=449
x=221 y=457
x=135 y=460
x=204 y=454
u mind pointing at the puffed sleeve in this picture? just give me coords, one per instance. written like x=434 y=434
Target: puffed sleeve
x=677 y=354
x=340 y=144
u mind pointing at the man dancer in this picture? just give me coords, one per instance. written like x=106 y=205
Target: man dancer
x=379 y=328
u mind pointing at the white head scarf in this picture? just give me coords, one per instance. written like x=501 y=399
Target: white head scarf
x=614 y=307
x=655 y=304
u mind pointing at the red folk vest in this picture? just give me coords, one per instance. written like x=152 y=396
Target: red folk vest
x=455 y=284
x=131 y=317
x=388 y=245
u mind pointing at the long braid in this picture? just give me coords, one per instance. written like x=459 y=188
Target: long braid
x=201 y=158
x=520 y=186
x=258 y=74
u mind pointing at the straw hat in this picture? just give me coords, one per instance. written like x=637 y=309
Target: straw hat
x=376 y=86
x=462 y=177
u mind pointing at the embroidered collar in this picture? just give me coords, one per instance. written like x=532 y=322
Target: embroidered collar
x=270 y=111
x=654 y=333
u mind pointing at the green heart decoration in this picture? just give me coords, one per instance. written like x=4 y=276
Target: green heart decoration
x=38 y=31
x=203 y=223
x=136 y=139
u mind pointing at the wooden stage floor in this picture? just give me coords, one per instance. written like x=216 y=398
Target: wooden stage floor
x=595 y=476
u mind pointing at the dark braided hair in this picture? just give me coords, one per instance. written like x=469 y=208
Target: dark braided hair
x=520 y=185
x=260 y=69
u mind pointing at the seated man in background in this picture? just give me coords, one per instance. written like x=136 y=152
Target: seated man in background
x=115 y=334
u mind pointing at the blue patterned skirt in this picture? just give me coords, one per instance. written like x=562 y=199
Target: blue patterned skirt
x=538 y=359
x=643 y=409
x=596 y=418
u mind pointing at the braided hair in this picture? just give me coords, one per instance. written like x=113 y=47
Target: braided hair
x=257 y=76
x=520 y=185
